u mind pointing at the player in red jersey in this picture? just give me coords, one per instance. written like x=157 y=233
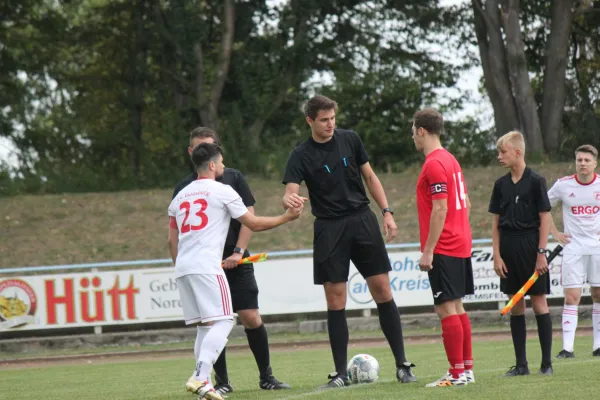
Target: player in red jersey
x=443 y=207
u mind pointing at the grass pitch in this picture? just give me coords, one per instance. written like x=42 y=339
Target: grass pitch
x=305 y=370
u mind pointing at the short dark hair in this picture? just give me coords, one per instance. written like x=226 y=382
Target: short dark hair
x=204 y=153
x=318 y=103
x=430 y=120
x=587 y=148
x=204 y=132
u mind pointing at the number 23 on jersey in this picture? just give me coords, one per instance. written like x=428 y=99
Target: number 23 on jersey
x=187 y=206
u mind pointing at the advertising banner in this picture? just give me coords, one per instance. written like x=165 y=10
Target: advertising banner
x=150 y=295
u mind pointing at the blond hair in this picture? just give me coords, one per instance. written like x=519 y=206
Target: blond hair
x=587 y=148
x=512 y=138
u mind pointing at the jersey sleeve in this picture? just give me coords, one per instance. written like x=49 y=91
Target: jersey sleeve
x=542 y=201
x=294 y=172
x=360 y=153
x=242 y=188
x=172 y=210
x=232 y=201
x=554 y=193
x=437 y=180
x=496 y=200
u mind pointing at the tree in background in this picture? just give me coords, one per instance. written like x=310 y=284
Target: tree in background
x=518 y=40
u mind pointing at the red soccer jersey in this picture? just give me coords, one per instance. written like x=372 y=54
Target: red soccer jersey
x=442 y=178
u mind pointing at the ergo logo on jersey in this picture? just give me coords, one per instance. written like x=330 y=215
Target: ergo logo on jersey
x=588 y=210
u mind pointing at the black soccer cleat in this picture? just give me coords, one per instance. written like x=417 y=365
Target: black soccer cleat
x=565 y=354
x=517 y=370
x=546 y=370
x=271 y=383
x=336 y=381
x=223 y=388
x=404 y=373
x=596 y=352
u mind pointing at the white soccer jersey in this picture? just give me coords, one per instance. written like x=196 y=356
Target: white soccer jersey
x=581 y=213
x=203 y=211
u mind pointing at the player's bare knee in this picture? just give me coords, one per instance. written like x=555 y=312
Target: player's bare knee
x=445 y=309
x=381 y=294
x=518 y=309
x=335 y=294
x=572 y=298
x=539 y=305
x=379 y=287
x=250 y=319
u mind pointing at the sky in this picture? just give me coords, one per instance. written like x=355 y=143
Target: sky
x=477 y=106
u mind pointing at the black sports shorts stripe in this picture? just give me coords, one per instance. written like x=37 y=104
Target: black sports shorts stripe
x=450 y=278
x=354 y=237
x=519 y=253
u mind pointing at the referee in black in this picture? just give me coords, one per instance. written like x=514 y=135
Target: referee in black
x=244 y=290
x=331 y=162
x=520 y=231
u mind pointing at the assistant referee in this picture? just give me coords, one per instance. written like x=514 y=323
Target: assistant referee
x=520 y=230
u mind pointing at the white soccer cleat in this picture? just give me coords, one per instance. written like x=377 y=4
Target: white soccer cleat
x=204 y=389
x=470 y=376
x=449 y=380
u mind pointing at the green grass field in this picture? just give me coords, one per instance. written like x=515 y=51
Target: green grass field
x=307 y=369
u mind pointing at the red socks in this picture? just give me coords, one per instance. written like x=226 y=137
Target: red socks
x=467 y=349
x=452 y=335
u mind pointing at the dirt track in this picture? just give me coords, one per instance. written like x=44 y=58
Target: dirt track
x=112 y=357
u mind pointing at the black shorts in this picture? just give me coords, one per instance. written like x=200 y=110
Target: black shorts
x=355 y=237
x=519 y=253
x=450 y=278
x=242 y=283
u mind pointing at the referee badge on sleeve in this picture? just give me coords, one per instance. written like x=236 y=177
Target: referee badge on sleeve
x=437 y=188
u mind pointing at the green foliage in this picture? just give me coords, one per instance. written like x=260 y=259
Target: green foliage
x=100 y=94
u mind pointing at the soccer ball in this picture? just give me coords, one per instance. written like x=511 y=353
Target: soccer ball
x=363 y=368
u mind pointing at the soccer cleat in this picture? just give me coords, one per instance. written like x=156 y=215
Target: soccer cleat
x=448 y=380
x=517 y=370
x=596 y=352
x=404 y=373
x=223 y=388
x=336 y=381
x=470 y=376
x=204 y=389
x=546 y=370
x=270 y=383
x=565 y=354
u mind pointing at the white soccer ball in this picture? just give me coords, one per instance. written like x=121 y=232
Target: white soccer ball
x=363 y=368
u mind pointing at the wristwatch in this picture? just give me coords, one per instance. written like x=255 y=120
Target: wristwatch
x=387 y=209
x=238 y=250
x=541 y=251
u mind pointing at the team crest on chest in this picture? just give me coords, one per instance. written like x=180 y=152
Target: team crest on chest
x=597 y=196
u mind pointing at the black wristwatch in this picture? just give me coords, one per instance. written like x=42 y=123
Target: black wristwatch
x=238 y=250
x=542 y=251
x=387 y=209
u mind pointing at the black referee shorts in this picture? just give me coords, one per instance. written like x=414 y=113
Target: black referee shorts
x=450 y=278
x=519 y=253
x=355 y=237
x=242 y=283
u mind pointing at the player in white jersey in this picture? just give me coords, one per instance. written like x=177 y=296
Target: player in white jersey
x=580 y=197
x=201 y=213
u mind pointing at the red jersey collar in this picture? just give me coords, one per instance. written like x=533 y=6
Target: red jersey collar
x=585 y=184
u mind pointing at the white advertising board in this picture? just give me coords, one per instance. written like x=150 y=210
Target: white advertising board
x=150 y=295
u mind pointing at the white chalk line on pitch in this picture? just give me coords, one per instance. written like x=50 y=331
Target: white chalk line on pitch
x=351 y=387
